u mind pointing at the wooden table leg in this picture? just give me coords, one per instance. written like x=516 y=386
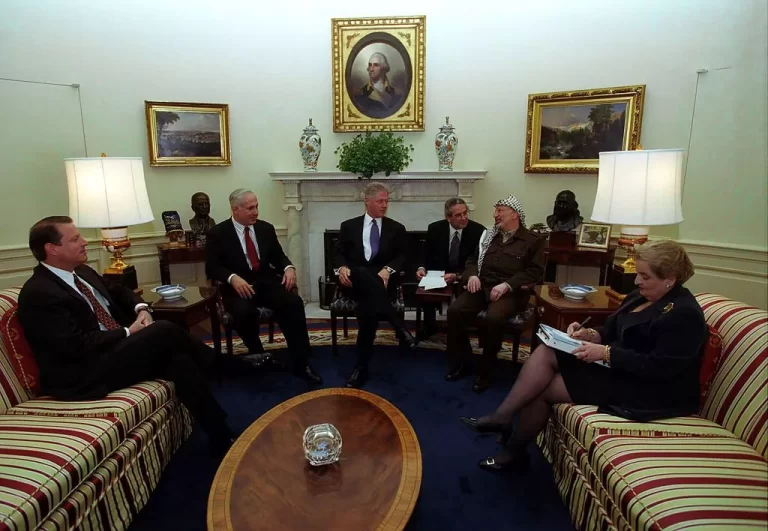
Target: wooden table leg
x=165 y=270
x=215 y=325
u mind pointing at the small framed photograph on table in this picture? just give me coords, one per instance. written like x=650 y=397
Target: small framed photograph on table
x=594 y=235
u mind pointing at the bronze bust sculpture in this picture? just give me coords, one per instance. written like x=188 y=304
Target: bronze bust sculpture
x=565 y=217
x=201 y=204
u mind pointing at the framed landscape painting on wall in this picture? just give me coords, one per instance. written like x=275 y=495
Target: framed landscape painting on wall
x=188 y=134
x=378 y=73
x=567 y=130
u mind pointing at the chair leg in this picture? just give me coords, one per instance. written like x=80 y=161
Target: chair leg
x=271 y=325
x=228 y=333
x=334 y=339
x=346 y=326
x=515 y=344
x=418 y=318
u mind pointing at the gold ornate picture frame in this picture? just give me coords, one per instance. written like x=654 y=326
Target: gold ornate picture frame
x=378 y=73
x=567 y=130
x=188 y=134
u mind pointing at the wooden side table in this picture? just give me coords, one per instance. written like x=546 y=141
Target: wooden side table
x=177 y=255
x=432 y=296
x=579 y=256
x=553 y=309
x=197 y=304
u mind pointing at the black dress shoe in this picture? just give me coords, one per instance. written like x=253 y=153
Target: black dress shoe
x=484 y=427
x=517 y=464
x=457 y=373
x=309 y=375
x=358 y=378
x=482 y=383
x=407 y=340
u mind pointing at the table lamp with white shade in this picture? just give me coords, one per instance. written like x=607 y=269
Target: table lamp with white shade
x=637 y=189
x=109 y=193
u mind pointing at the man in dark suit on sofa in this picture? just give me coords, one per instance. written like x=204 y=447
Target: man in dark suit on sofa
x=90 y=338
x=369 y=256
x=244 y=255
x=450 y=242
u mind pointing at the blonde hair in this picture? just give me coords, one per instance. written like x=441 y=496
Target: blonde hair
x=374 y=188
x=667 y=259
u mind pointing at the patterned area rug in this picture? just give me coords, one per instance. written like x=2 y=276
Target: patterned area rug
x=320 y=336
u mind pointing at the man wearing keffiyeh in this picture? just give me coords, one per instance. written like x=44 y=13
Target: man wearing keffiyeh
x=509 y=258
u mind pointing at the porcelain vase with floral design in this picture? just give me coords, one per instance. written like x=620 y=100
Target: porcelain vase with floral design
x=446 y=143
x=310 y=145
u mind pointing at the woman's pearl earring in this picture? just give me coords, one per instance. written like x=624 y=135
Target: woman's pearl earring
x=667 y=286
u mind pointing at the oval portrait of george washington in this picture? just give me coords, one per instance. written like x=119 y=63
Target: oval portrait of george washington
x=379 y=75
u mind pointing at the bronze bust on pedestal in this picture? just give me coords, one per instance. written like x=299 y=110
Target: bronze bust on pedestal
x=565 y=217
x=201 y=204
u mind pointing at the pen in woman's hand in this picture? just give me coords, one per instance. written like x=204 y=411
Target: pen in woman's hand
x=580 y=326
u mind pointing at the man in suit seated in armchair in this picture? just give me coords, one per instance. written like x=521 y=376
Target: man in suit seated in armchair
x=509 y=257
x=244 y=255
x=370 y=254
x=91 y=338
x=450 y=242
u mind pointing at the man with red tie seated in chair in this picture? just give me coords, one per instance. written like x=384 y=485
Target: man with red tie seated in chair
x=90 y=338
x=509 y=257
x=369 y=254
x=243 y=254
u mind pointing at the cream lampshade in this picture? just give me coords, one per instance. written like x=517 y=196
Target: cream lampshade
x=637 y=189
x=108 y=193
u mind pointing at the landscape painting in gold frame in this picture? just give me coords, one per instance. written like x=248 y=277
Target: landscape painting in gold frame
x=188 y=134
x=378 y=73
x=567 y=130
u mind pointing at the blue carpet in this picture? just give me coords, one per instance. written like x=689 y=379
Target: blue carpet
x=455 y=493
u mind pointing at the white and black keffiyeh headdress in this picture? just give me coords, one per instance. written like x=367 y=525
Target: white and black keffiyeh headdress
x=485 y=241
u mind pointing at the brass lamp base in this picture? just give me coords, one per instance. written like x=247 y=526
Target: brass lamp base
x=622 y=277
x=115 y=240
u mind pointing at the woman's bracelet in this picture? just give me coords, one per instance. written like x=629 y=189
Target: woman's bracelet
x=607 y=355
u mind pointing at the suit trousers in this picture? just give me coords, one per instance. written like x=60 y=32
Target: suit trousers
x=165 y=350
x=462 y=314
x=288 y=311
x=374 y=302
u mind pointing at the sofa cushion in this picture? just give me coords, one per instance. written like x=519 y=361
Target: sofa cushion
x=710 y=362
x=130 y=405
x=19 y=352
x=676 y=483
x=12 y=391
x=584 y=424
x=43 y=458
x=738 y=396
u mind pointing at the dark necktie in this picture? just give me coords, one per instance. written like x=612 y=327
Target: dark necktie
x=374 y=239
x=250 y=250
x=101 y=313
x=453 y=252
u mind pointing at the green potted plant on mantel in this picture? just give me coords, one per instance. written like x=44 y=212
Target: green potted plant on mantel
x=368 y=154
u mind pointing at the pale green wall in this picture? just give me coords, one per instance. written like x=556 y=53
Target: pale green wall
x=271 y=62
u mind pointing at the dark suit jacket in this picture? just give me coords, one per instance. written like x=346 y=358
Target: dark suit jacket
x=351 y=253
x=64 y=333
x=438 y=245
x=655 y=358
x=225 y=256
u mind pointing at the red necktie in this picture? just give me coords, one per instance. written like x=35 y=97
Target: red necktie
x=250 y=250
x=101 y=313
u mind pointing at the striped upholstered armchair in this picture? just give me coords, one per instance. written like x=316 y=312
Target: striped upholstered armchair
x=706 y=470
x=88 y=464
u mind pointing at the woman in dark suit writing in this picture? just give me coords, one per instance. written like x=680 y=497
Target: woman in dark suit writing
x=651 y=349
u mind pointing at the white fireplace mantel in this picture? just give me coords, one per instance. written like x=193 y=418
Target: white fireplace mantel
x=302 y=188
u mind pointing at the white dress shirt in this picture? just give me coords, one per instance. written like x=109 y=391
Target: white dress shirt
x=240 y=229
x=69 y=278
x=451 y=232
x=367 y=224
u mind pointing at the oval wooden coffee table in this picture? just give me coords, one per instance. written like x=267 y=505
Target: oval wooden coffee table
x=265 y=482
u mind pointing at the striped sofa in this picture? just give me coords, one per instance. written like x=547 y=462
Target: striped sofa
x=81 y=465
x=709 y=470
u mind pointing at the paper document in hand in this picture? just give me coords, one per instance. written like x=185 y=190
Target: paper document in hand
x=433 y=280
x=552 y=337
